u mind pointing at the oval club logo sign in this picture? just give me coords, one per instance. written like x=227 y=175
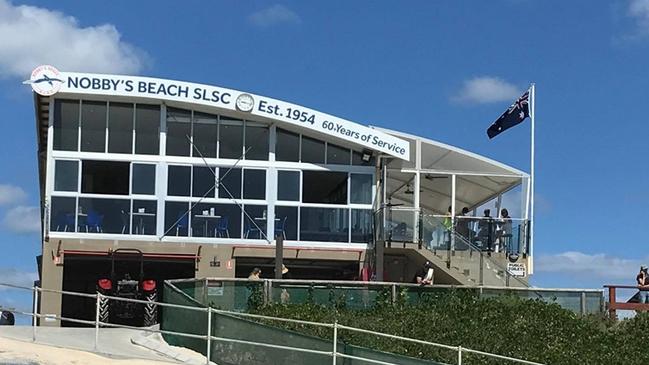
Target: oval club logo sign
x=45 y=80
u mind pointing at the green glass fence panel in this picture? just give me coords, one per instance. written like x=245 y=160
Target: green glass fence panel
x=183 y=320
x=384 y=356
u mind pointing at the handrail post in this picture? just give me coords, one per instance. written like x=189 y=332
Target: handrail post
x=97 y=320
x=209 y=335
x=335 y=345
x=35 y=317
x=582 y=302
x=459 y=355
x=394 y=294
x=481 y=269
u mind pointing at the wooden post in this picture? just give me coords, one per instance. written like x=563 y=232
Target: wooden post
x=612 y=299
x=279 y=255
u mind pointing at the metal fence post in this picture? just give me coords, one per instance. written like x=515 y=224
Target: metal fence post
x=97 y=321
x=209 y=335
x=582 y=302
x=394 y=294
x=335 y=347
x=35 y=312
x=459 y=355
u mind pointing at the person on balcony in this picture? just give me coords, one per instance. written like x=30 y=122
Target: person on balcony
x=485 y=230
x=462 y=225
x=643 y=284
x=504 y=231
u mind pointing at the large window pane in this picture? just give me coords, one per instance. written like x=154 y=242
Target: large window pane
x=105 y=177
x=313 y=151
x=324 y=224
x=120 y=128
x=287 y=147
x=230 y=138
x=203 y=182
x=205 y=135
x=288 y=185
x=361 y=225
x=143 y=179
x=230 y=183
x=66 y=175
x=93 y=126
x=205 y=220
x=147 y=129
x=337 y=155
x=144 y=217
x=178 y=180
x=63 y=214
x=286 y=222
x=104 y=215
x=255 y=222
x=256 y=141
x=254 y=184
x=324 y=187
x=179 y=128
x=361 y=189
x=177 y=219
x=66 y=125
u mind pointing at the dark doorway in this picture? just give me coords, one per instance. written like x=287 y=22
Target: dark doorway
x=300 y=268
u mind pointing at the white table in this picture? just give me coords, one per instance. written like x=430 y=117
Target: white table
x=141 y=216
x=206 y=218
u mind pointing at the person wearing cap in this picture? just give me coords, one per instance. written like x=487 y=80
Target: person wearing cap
x=643 y=284
x=425 y=275
x=255 y=274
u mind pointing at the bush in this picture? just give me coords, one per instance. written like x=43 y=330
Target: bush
x=506 y=325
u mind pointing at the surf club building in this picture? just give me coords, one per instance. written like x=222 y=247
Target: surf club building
x=202 y=180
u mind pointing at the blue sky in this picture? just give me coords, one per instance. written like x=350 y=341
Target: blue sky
x=440 y=69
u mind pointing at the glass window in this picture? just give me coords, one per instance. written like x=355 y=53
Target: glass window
x=62 y=216
x=361 y=189
x=361 y=225
x=313 y=151
x=287 y=146
x=178 y=180
x=143 y=179
x=205 y=135
x=203 y=182
x=144 y=217
x=177 y=219
x=337 y=155
x=256 y=141
x=324 y=187
x=66 y=125
x=230 y=183
x=255 y=222
x=179 y=127
x=288 y=185
x=229 y=225
x=93 y=126
x=120 y=128
x=254 y=184
x=147 y=129
x=357 y=159
x=66 y=175
x=230 y=138
x=205 y=220
x=104 y=215
x=105 y=177
x=286 y=222
x=324 y=224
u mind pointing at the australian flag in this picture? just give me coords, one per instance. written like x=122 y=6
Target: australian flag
x=514 y=115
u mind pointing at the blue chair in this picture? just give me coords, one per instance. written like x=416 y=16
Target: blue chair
x=281 y=227
x=183 y=222
x=94 y=221
x=65 y=220
x=251 y=229
x=221 y=229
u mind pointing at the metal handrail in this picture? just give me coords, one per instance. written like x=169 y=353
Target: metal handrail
x=208 y=337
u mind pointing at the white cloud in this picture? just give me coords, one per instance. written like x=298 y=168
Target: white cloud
x=639 y=9
x=486 y=89
x=9 y=275
x=10 y=194
x=32 y=36
x=594 y=266
x=23 y=219
x=273 y=15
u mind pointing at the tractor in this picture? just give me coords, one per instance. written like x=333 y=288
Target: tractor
x=121 y=284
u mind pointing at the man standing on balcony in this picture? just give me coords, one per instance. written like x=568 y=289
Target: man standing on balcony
x=643 y=284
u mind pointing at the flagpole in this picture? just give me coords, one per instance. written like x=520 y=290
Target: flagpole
x=532 y=115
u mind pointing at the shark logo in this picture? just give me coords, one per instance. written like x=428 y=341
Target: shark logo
x=45 y=80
